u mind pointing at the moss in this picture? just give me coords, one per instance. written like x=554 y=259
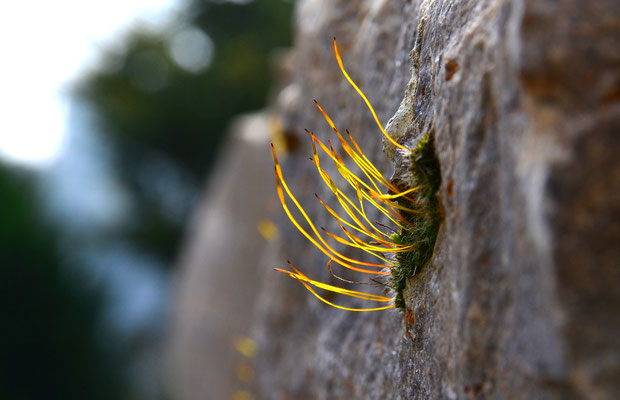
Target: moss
x=425 y=221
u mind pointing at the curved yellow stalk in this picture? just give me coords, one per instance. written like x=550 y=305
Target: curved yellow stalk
x=356 y=240
x=347 y=292
x=360 y=211
x=304 y=280
x=362 y=161
x=328 y=250
x=354 y=180
x=341 y=197
x=395 y=196
x=367 y=190
x=346 y=75
x=363 y=246
x=340 y=219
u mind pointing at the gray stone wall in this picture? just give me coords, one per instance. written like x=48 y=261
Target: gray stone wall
x=520 y=299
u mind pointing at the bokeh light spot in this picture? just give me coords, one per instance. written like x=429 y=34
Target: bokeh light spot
x=191 y=49
x=245 y=346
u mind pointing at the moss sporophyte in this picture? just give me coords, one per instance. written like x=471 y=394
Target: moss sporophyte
x=401 y=251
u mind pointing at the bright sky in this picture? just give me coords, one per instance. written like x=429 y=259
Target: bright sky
x=47 y=44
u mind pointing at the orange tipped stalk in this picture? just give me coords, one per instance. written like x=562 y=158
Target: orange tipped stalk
x=346 y=204
x=304 y=280
x=342 y=220
x=380 y=244
x=354 y=181
x=362 y=233
x=325 y=248
x=352 y=211
x=358 y=243
x=360 y=160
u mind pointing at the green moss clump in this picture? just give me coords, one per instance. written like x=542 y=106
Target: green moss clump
x=425 y=221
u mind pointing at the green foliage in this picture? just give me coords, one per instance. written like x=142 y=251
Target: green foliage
x=183 y=119
x=424 y=226
x=186 y=118
x=50 y=343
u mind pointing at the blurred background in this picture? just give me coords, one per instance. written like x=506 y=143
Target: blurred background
x=111 y=117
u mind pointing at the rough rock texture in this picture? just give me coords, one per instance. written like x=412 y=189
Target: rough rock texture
x=217 y=284
x=521 y=297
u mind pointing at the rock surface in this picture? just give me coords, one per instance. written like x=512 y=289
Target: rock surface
x=520 y=299
x=217 y=285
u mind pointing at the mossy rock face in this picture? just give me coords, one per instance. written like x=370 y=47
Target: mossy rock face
x=424 y=223
x=519 y=276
